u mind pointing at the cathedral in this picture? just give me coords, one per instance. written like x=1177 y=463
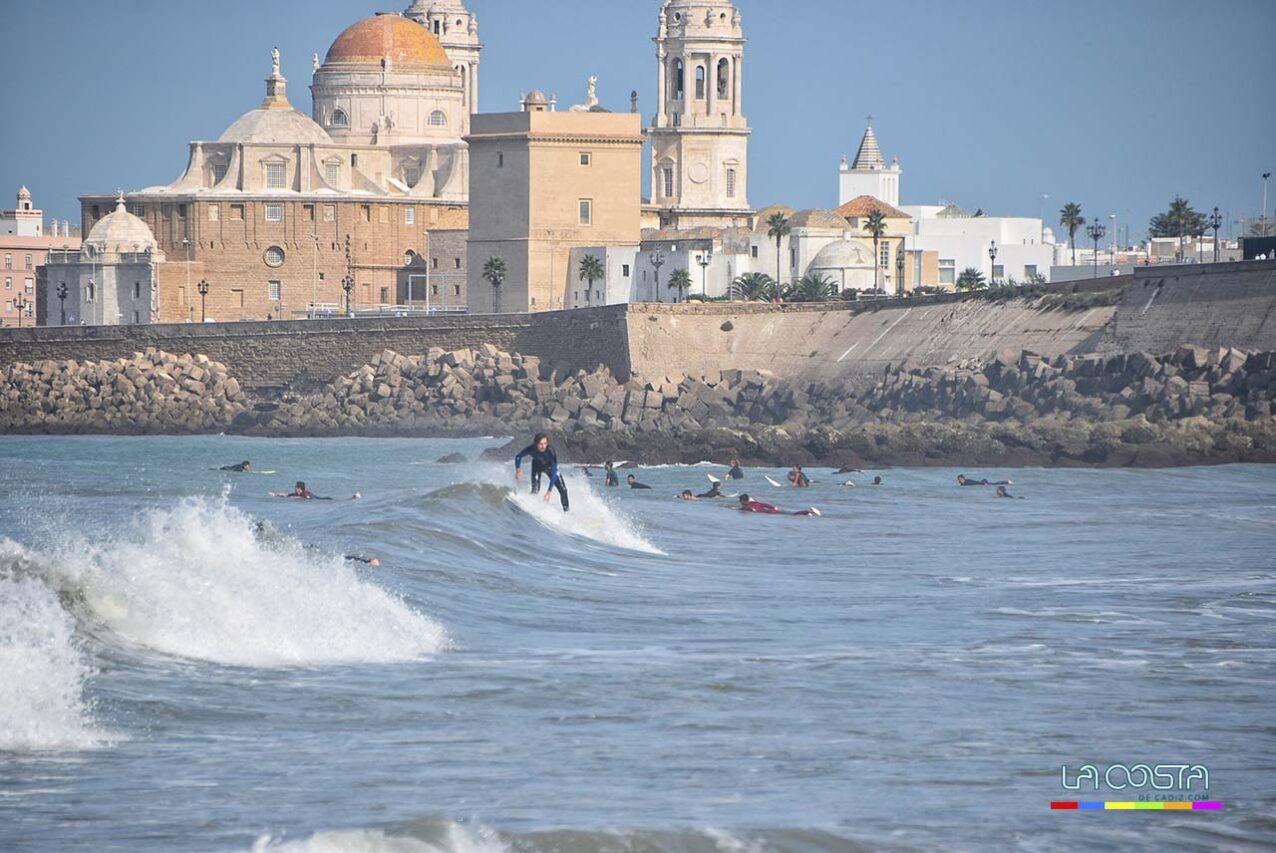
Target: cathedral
x=362 y=204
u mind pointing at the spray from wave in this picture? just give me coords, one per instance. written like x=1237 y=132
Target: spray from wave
x=42 y=670
x=196 y=581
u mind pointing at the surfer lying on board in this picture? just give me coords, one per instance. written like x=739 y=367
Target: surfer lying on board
x=747 y=504
x=634 y=484
x=715 y=491
x=963 y=480
x=544 y=461
x=301 y=493
x=686 y=496
x=1002 y=493
x=244 y=467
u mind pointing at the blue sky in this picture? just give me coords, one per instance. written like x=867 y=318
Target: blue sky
x=1115 y=104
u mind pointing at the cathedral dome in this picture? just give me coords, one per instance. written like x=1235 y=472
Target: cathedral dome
x=120 y=231
x=843 y=255
x=387 y=36
x=276 y=126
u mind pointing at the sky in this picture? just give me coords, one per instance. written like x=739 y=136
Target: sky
x=1117 y=105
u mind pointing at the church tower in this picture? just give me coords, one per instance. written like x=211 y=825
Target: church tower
x=456 y=28
x=869 y=174
x=700 y=138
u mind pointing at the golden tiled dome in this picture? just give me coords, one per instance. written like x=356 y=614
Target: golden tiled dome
x=387 y=36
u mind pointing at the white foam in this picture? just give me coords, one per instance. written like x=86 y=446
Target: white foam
x=590 y=516
x=195 y=582
x=42 y=671
x=452 y=838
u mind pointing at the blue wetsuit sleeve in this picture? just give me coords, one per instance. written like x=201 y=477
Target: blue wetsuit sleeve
x=553 y=468
x=518 y=460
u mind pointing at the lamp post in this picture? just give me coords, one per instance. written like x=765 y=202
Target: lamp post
x=704 y=260
x=1096 y=232
x=1263 y=216
x=20 y=304
x=62 y=291
x=992 y=263
x=1215 y=222
x=347 y=284
x=899 y=269
x=203 y=300
x=658 y=261
x=1112 y=217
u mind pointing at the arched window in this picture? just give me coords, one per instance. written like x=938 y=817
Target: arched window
x=676 y=79
x=724 y=78
x=700 y=82
x=438 y=119
x=339 y=118
x=409 y=258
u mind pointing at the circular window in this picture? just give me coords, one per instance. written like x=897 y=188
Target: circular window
x=274 y=257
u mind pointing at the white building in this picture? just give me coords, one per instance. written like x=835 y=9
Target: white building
x=1025 y=249
x=869 y=175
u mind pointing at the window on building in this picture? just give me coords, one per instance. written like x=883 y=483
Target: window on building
x=8 y=261
x=308 y=212
x=409 y=258
x=340 y=118
x=137 y=290
x=998 y=272
x=274 y=257
x=412 y=175
x=276 y=176
x=409 y=216
x=274 y=213
x=438 y=118
x=947 y=271
x=500 y=159
x=219 y=172
x=884 y=258
x=385 y=296
x=8 y=284
x=624 y=270
x=753 y=251
x=214 y=212
x=365 y=212
x=434 y=263
x=273 y=289
x=434 y=290
x=166 y=211
x=1030 y=271
x=586 y=212
x=668 y=181
x=456 y=263
x=456 y=290
x=181 y=211
x=332 y=173
x=724 y=77
x=329 y=213
x=792 y=257
x=700 y=82
x=90 y=292
x=730 y=183
x=29 y=285
x=677 y=81
x=586 y=158
x=237 y=212
x=139 y=210
x=137 y=318
x=28 y=262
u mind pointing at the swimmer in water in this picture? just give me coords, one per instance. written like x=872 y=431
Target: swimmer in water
x=634 y=484
x=715 y=491
x=686 y=496
x=798 y=478
x=736 y=472
x=299 y=492
x=544 y=461
x=244 y=467
x=963 y=480
x=747 y=504
x=877 y=481
x=610 y=480
x=1002 y=493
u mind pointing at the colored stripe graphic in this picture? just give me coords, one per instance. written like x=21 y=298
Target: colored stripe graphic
x=1102 y=805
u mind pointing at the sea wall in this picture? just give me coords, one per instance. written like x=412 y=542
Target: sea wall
x=307 y=353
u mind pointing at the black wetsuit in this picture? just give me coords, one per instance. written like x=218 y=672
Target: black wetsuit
x=612 y=480
x=715 y=492
x=241 y=468
x=543 y=462
x=735 y=473
x=637 y=485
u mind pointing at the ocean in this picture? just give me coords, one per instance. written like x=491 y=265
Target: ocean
x=187 y=664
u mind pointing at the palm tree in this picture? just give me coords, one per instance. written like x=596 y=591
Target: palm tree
x=875 y=224
x=812 y=287
x=591 y=269
x=679 y=280
x=753 y=287
x=1071 y=219
x=971 y=279
x=494 y=271
x=1179 y=221
x=777 y=228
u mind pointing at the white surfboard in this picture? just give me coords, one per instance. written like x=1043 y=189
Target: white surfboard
x=773 y=482
x=714 y=480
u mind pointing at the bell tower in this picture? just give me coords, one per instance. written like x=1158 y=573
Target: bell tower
x=456 y=28
x=700 y=137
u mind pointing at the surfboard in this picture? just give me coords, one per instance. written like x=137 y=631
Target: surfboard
x=714 y=480
x=773 y=482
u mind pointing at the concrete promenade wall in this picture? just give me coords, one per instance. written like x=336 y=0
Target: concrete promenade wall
x=303 y=352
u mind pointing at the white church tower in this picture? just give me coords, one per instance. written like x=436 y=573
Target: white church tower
x=456 y=28
x=700 y=138
x=868 y=175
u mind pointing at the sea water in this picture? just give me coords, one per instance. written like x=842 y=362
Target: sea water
x=188 y=664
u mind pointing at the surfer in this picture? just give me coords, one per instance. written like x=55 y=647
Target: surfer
x=300 y=492
x=359 y=558
x=1002 y=493
x=747 y=504
x=736 y=472
x=877 y=481
x=686 y=496
x=244 y=467
x=715 y=491
x=847 y=469
x=544 y=461
x=798 y=478
x=963 y=480
x=610 y=479
x=634 y=484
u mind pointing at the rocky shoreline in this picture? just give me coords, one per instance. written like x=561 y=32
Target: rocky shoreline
x=1193 y=406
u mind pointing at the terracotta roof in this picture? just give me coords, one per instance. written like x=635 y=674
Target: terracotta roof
x=388 y=36
x=818 y=219
x=862 y=206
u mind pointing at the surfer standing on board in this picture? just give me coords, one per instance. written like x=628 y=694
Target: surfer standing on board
x=544 y=461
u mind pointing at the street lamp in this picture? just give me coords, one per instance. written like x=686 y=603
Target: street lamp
x=347 y=284
x=1096 y=232
x=1112 y=216
x=203 y=300
x=62 y=291
x=705 y=259
x=19 y=303
x=992 y=263
x=1215 y=222
x=899 y=270
x=1263 y=216
x=658 y=261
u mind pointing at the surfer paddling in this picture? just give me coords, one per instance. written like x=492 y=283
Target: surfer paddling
x=544 y=461
x=301 y=493
x=244 y=467
x=747 y=504
x=963 y=480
